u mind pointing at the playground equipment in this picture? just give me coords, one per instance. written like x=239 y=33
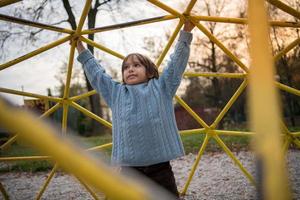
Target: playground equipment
x=264 y=113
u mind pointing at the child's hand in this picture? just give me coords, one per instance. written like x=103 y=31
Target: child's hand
x=79 y=45
x=188 y=26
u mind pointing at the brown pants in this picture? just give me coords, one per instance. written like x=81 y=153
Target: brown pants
x=160 y=173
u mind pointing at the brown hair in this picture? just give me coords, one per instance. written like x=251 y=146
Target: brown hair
x=151 y=68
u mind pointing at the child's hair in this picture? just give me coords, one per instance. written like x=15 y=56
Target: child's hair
x=151 y=68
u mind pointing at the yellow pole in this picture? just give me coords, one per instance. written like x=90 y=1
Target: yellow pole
x=128 y=24
x=35 y=24
x=196 y=163
x=170 y=42
x=65 y=118
x=216 y=74
x=68 y=156
x=34 y=53
x=233 y=133
x=192 y=131
x=19 y=158
x=103 y=48
x=264 y=106
x=287 y=49
x=236 y=161
x=229 y=104
x=243 y=21
x=91 y=115
x=88 y=189
x=100 y=147
x=165 y=7
x=189 y=7
x=69 y=72
x=28 y=94
x=14 y=138
x=285 y=8
x=221 y=46
x=287 y=88
x=50 y=176
x=81 y=96
x=191 y=112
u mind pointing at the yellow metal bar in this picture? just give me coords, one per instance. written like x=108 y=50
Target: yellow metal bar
x=50 y=176
x=14 y=138
x=191 y=112
x=8 y=142
x=35 y=52
x=206 y=74
x=297 y=142
x=286 y=144
x=229 y=104
x=236 y=161
x=165 y=7
x=233 y=133
x=170 y=42
x=264 y=106
x=221 y=46
x=287 y=49
x=19 y=158
x=83 y=16
x=103 y=48
x=3 y=192
x=243 y=21
x=88 y=189
x=295 y=134
x=129 y=24
x=196 y=163
x=285 y=8
x=28 y=94
x=192 y=131
x=69 y=72
x=81 y=96
x=65 y=118
x=34 y=24
x=189 y=7
x=8 y=2
x=93 y=172
x=287 y=88
x=100 y=147
x=91 y=115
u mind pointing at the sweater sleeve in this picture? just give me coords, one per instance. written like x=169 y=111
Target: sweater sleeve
x=99 y=79
x=172 y=74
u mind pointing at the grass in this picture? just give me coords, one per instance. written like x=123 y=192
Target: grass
x=192 y=144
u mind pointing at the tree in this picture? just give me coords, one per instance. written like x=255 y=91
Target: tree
x=49 y=10
x=213 y=92
x=287 y=66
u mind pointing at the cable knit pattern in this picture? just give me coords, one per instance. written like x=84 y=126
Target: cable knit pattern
x=144 y=125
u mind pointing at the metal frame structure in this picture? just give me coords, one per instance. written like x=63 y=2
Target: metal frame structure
x=265 y=125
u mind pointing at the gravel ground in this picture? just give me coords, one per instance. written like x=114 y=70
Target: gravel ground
x=216 y=178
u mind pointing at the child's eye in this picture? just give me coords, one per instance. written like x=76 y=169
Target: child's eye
x=137 y=65
x=126 y=66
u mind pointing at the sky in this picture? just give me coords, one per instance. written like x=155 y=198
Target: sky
x=39 y=73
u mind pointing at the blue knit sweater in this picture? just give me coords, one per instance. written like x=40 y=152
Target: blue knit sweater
x=144 y=126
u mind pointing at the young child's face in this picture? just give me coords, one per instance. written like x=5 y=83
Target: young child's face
x=134 y=72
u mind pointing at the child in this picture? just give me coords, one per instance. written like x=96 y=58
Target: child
x=145 y=134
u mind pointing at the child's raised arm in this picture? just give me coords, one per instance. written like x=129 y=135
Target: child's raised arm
x=99 y=79
x=172 y=74
x=188 y=26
